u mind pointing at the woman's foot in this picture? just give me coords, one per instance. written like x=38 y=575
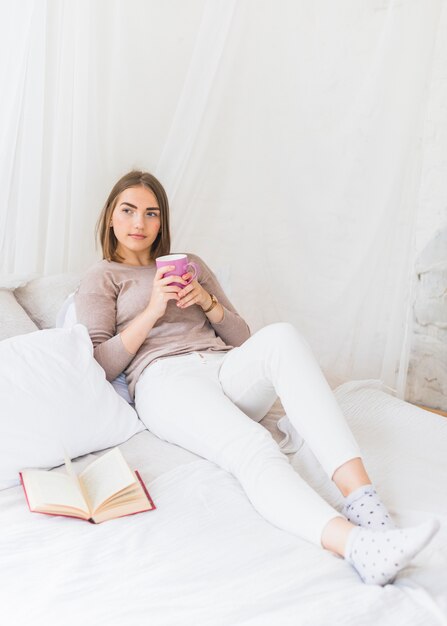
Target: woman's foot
x=363 y=507
x=379 y=556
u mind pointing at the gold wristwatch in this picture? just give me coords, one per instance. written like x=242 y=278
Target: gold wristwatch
x=214 y=301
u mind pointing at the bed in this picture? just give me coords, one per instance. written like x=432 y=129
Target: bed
x=205 y=556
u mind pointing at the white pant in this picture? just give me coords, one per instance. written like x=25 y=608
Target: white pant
x=203 y=402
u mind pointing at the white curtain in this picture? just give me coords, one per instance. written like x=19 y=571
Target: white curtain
x=287 y=134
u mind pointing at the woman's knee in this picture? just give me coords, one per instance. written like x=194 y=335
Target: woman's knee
x=283 y=333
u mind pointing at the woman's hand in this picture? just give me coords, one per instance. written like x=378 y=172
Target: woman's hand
x=193 y=293
x=162 y=292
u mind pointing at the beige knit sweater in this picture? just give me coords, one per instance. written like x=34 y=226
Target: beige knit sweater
x=111 y=294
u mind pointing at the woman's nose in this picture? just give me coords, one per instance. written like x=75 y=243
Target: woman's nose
x=138 y=221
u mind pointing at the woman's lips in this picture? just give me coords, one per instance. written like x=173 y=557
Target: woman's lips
x=138 y=236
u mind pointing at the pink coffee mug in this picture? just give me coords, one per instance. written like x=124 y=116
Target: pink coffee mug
x=182 y=266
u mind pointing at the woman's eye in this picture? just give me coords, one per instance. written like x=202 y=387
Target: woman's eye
x=128 y=211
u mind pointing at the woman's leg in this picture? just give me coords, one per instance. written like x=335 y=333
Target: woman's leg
x=277 y=361
x=350 y=476
x=180 y=400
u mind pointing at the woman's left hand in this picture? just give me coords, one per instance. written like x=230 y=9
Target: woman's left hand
x=193 y=293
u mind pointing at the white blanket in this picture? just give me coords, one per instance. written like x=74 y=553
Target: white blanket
x=206 y=557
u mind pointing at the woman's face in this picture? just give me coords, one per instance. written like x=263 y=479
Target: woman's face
x=136 y=223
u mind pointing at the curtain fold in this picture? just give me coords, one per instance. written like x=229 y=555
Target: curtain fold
x=209 y=47
x=287 y=135
x=21 y=110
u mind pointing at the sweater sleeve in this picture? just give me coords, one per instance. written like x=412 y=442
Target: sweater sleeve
x=232 y=329
x=95 y=302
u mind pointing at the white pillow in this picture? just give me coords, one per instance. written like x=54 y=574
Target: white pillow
x=55 y=399
x=43 y=296
x=66 y=318
x=13 y=318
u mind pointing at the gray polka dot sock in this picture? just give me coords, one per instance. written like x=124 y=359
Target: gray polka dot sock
x=363 y=507
x=378 y=556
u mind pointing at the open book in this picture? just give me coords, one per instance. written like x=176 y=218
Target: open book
x=105 y=489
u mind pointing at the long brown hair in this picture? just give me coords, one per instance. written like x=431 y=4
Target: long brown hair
x=105 y=234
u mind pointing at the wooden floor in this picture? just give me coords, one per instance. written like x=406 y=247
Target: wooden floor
x=433 y=410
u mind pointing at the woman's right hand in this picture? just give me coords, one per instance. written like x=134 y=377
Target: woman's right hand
x=162 y=292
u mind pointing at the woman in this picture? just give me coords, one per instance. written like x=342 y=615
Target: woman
x=200 y=381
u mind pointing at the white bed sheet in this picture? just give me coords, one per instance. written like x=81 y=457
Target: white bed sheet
x=206 y=557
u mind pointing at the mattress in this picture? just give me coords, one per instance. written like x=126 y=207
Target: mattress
x=206 y=557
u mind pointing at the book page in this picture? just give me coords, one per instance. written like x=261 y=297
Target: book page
x=134 y=499
x=50 y=488
x=105 y=477
x=72 y=473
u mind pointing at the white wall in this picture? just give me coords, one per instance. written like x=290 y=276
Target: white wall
x=427 y=375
